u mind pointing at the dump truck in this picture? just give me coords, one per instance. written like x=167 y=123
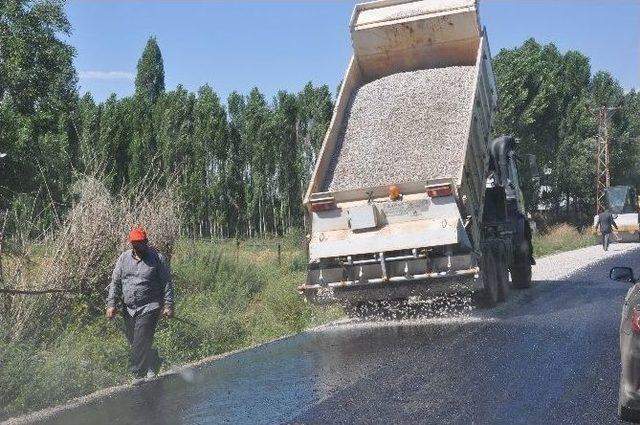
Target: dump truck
x=623 y=202
x=411 y=196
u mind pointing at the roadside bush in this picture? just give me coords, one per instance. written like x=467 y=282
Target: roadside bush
x=225 y=300
x=80 y=255
x=299 y=263
x=559 y=238
x=80 y=360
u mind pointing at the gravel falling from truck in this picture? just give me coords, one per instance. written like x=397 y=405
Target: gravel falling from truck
x=404 y=127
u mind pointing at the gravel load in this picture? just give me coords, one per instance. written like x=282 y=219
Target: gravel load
x=404 y=127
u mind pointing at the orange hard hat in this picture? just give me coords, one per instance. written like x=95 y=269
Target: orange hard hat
x=137 y=234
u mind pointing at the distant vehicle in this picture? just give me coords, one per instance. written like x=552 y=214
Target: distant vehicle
x=622 y=202
x=455 y=227
x=629 y=394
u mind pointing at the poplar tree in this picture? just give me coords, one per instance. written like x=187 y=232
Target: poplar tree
x=149 y=87
x=150 y=77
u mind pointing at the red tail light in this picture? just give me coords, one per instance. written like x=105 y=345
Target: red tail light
x=436 y=191
x=323 y=206
x=635 y=321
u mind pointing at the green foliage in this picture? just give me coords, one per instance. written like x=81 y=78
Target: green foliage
x=560 y=238
x=299 y=263
x=241 y=171
x=548 y=100
x=113 y=139
x=37 y=100
x=150 y=77
x=80 y=359
x=35 y=65
x=226 y=300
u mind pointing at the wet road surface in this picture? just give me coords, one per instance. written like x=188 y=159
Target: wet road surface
x=548 y=356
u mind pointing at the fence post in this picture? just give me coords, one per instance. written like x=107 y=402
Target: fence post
x=237 y=249
x=279 y=254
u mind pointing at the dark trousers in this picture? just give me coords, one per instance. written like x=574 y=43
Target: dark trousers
x=139 y=330
x=606 y=240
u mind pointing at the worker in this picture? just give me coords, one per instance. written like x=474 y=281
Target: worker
x=606 y=224
x=143 y=279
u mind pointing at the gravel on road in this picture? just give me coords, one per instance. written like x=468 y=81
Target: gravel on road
x=558 y=266
x=561 y=335
x=404 y=127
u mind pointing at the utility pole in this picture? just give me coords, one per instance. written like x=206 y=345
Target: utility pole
x=603 y=178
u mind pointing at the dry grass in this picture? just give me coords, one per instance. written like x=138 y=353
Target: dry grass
x=80 y=255
x=57 y=346
x=229 y=303
x=559 y=238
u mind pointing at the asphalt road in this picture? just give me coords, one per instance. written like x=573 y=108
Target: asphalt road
x=548 y=356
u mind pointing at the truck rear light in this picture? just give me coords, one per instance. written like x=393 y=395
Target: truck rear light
x=323 y=206
x=635 y=321
x=394 y=192
x=436 y=191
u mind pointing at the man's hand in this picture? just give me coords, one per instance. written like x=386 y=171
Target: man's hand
x=111 y=312
x=167 y=312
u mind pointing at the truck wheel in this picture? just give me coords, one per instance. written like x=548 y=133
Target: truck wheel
x=521 y=276
x=521 y=270
x=489 y=296
x=628 y=415
x=503 y=278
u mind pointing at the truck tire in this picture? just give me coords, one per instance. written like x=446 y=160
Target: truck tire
x=489 y=295
x=628 y=415
x=502 y=276
x=521 y=276
x=521 y=269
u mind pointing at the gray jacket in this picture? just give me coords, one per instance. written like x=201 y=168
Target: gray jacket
x=141 y=281
x=606 y=222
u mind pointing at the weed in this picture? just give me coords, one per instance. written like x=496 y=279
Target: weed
x=559 y=238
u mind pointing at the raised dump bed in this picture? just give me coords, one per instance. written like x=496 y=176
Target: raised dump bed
x=398 y=192
x=404 y=127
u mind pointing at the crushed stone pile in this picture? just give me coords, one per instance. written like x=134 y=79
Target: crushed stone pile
x=404 y=127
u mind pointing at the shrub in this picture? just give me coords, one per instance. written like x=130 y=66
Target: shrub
x=558 y=238
x=80 y=256
x=223 y=303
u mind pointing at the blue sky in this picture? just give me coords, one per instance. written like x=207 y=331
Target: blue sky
x=236 y=45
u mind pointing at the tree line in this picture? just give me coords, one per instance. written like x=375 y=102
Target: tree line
x=550 y=100
x=242 y=164
x=241 y=167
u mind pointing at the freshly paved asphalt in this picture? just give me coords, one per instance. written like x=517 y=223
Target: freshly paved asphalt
x=548 y=356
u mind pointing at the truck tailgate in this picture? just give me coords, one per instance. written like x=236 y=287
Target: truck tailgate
x=391 y=237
